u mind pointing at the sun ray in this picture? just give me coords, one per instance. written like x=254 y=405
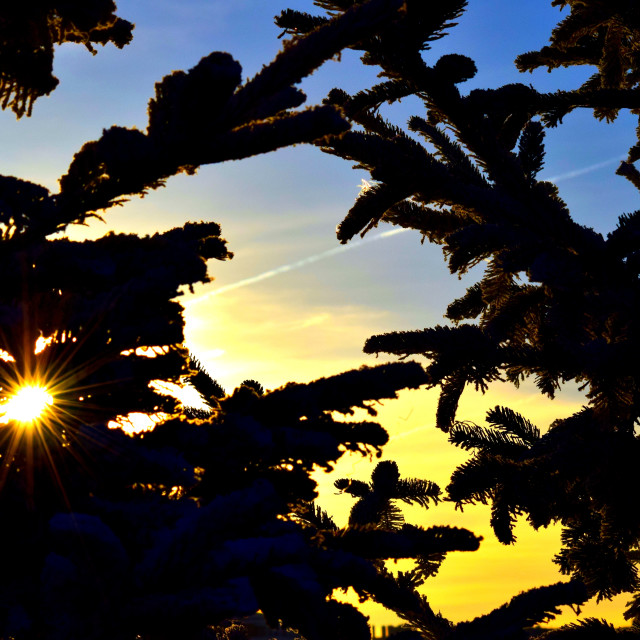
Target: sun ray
x=49 y=420
x=26 y=405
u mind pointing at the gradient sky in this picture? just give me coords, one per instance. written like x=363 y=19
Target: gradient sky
x=293 y=304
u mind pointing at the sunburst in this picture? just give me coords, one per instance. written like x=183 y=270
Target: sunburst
x=27 y=405
x=47 y=414
x=53 y=414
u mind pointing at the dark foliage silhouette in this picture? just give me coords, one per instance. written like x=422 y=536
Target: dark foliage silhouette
x=376 y=519
x=208 y=517
x=30 y=30
x=176 y=532
x=557 y=302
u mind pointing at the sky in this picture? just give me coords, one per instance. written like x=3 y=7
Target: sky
x=293 y=304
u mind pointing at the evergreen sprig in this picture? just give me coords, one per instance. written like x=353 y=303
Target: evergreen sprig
x=30 y=31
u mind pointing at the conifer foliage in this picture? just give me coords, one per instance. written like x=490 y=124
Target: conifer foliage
x=557 y=301
x=209 y=516
x=376 y=520
x=29 y=31
x=166 y=534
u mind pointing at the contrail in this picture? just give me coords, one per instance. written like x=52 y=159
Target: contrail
x=580 y=172
x=291 y=266
x=404 y=434
x=347 y=247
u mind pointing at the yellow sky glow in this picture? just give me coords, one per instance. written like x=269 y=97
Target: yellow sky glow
x=260 y=334
x=469 y=583
x=265 y=332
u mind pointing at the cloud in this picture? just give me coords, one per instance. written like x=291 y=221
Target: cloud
x=275 y=337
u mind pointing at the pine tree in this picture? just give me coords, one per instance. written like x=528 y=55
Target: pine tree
x=173 y=532
x=557 y=302
x=30 y=30
x=176 y=532
x=376 y=518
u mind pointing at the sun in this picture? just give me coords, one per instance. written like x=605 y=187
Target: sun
x=26 y=405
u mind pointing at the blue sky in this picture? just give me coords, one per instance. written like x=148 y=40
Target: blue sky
x=278 y=210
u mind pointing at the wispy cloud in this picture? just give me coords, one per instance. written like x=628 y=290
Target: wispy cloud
x=265 y=275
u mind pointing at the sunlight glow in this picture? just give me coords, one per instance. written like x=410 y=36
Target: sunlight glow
x=147 y=352
x=26 y=405
x=135 y=423
x=42 y=343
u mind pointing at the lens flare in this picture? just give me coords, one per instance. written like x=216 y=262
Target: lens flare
x=26 y=405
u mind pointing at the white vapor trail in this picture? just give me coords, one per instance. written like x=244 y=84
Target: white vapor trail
x=409 y=432
x=580 y=172
x=291 y=266
x=347 y=247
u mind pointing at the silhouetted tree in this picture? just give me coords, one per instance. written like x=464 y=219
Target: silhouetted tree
x=376 y=503
x=373 y=521
x=557 y=301
x=30 y=30
x=352 y=556
x=170 y=533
